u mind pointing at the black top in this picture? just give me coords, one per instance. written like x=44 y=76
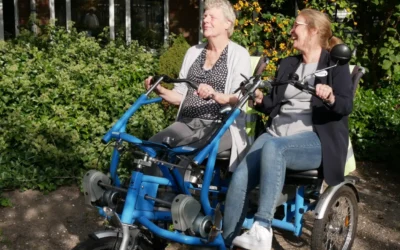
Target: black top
x=330 y=123
x=196 y=107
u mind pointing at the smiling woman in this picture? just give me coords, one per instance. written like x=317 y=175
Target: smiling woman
x=299 y=125
x=216 y=66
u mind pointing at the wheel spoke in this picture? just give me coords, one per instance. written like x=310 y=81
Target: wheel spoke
x=339 y=224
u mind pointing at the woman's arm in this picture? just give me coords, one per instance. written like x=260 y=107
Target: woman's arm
x=206 y=91
x=170 y=96
x=240 y=65
x=340 y=94
x=342 y=89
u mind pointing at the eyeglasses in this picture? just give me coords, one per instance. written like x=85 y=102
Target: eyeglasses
x=295 y=24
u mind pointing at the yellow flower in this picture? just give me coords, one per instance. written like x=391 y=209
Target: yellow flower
x=274 y=53
x=275 y=59
x=255 y=4
x=258 y=9
x=254 y=43
x=246 y=4
x=241 y=3
x=267 y=44
x=355 y=23
x=281 y=25
x=285 y=22
x=237 y=7
x=282 y=46
x=273 y=19
x=283 y=32
x=236 y=22
x=256 y=19
x=271 y=67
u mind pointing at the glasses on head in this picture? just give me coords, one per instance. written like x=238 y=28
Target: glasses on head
x=295 y=24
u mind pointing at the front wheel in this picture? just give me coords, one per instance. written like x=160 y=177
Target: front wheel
x=337 y=229
x=108 y=243
x=144 y=241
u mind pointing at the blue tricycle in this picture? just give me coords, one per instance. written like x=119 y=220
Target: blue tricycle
x=187 y=203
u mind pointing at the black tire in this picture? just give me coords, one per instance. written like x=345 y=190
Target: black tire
x=337 y=229
x=144 y=241
x=108 y=243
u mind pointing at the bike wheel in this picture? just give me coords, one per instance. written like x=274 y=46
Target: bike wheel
x=108 y=243
x=337 y=229
x=144 y=241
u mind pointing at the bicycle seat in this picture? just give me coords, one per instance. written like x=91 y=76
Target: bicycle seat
x=299 y=177
x=224 y=155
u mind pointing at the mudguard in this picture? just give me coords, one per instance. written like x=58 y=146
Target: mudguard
x=105 y=234
x=326 y=197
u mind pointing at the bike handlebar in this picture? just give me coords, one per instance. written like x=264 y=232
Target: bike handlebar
x=168 y=79
x=299 y=85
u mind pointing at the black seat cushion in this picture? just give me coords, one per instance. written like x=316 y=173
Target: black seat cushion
x=224 y=155
x=303 y=177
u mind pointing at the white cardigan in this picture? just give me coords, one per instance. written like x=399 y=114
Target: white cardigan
x=238 y=63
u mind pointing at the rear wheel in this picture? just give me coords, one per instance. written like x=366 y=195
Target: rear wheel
x=337 y=229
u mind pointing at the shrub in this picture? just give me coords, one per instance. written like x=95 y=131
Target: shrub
x=60 y=92
x=170 y=64
x=171 y=60
x=375 y=123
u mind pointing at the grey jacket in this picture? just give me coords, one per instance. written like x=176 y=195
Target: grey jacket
x=238 y=63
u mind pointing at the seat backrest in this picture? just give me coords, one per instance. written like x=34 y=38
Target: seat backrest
x=356 y=73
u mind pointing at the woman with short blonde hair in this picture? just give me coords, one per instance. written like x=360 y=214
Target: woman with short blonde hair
x=216 y=66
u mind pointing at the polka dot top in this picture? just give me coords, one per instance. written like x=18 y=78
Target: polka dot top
x=196 y=107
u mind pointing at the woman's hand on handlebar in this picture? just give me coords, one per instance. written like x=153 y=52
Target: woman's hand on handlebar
x=149 y=81
x=205 y=91
x=325 y=92
x=258 y=96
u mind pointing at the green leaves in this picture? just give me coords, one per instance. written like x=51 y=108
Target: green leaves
x=375 y=123
x=58 y=99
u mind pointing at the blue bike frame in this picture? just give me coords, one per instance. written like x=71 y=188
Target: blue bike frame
x=139 y=209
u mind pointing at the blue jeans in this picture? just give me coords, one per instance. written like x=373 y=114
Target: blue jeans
x=266 y=164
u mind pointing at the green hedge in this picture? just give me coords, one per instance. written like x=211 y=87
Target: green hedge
x=60 y=92
x=375 y=124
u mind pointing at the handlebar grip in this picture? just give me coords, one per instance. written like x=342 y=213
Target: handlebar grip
x=194 y=85
x=312 y=90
